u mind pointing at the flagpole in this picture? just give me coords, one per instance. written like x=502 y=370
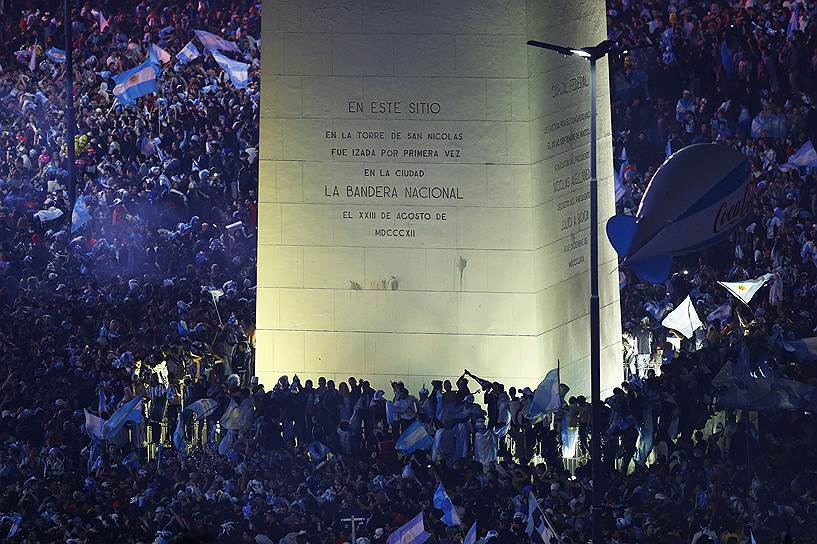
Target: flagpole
x=70 y=121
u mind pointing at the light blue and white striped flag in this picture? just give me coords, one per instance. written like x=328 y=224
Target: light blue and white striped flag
x=803 y=158
x=81 y=214
x=135 y=83
x=546 y=398
x=57 y=55
x=178 y=438
x=94 y=425
x=130 y=411
x=202 y=407
x=211 y=42
x=414 y=438
x=443 y=502
x=237 y=71
x=413 y=532
x=231 y=419
x=189 y=53
x=721 y=313
x=16 y=520
x=471 y=537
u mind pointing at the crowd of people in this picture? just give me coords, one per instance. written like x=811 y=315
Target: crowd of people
x=129 y=411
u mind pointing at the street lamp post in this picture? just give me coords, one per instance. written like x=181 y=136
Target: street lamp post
x=70 y=122
x=592 y=54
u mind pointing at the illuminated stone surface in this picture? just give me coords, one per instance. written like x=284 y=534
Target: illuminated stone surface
x=464 y=242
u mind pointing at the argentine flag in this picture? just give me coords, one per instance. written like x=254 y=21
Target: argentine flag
x=211 y=42
x=804 y=157
x=413 y=532
x=546 y=398
x=414 y=438
x=238 y=71
x=57 y=55
x=443 y=502
x=135 y=83
x=130 y=411
x=188 y=53
x=202 y=407
x=94 y=425
x=80 y=215
x=745 y=290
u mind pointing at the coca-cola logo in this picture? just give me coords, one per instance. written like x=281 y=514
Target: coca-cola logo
x=731 y=213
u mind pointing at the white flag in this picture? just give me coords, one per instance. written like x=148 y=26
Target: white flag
x=683 y=319
x=745 y=290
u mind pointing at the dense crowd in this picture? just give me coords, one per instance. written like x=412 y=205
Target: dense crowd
x=129 y=411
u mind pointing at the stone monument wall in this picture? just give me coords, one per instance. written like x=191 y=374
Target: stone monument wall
x=424 y=192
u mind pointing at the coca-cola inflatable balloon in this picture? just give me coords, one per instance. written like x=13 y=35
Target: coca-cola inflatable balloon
x=696 y=198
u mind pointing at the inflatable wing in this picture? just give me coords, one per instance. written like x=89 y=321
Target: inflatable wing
x=696 y=198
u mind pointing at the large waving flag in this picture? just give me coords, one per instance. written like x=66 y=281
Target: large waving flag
x=202 y=407
x=188 y=53
x=414 y=438
x=413 y=532
x=745 y=290
x=683 y=319
x=231 y=419
x=130 y=411
x=135 y=83
x=211 y=42
x=443 y=502
x=94 y=425
x=57 y=55
x=803 y=158
x=538 y=522
x=546 y=398
x=237 y=71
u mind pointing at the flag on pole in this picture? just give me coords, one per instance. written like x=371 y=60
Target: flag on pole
x=135 y=83
x=16 y=520
x=471 y=537
x=211 y=42
x=231 y=419
x=94 y=425
x=620 y=189
x=237 y=71
x=414 y=438
x=130 y=411
x=80 y=215
x=103 y=22
x=57 y=55
x=188 y=53
x=178 y=437
x=668 y=149
x=745 y=290
x=32 y=59
x=794 y=20
x=538 y=522
x=202 y=408
x=803 y=158
x=131 y=460
x=413 y=532
x=102 y=406
x=683 y=319
x=722 y=312
x=546 y=398
x=160 y=54
x=443 y=502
